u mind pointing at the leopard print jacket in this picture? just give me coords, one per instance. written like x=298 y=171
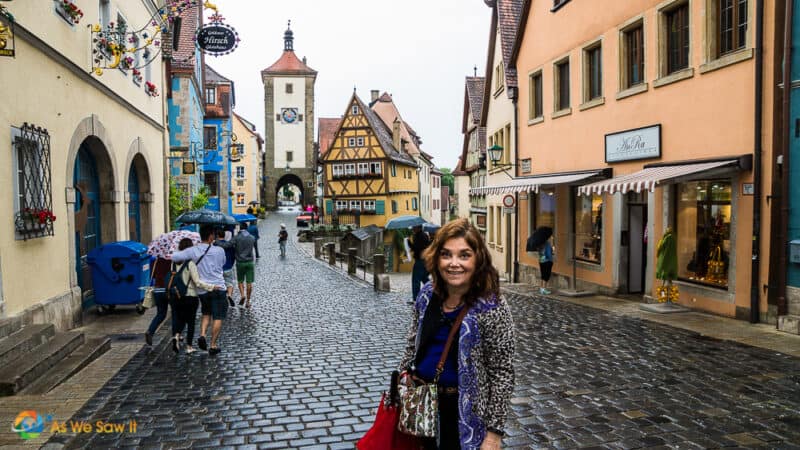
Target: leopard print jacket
x=485 y=365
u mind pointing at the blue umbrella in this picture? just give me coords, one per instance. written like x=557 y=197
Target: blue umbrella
x=244 y=218
x=206 y=216
x=404 y=222
x=430 y=227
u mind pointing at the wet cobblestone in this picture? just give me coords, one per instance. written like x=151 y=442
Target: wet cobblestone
x=305 y=367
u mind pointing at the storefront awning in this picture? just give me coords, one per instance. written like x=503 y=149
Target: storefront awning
x=648 y=178
x=531 y=184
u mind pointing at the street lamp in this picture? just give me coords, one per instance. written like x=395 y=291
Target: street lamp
x=495 y=156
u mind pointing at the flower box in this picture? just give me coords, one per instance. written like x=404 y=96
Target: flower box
x=31 y=220
x=151 y=89
x=69 y=11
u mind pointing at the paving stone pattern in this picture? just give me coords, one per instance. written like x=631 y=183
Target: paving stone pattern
x=305 y=367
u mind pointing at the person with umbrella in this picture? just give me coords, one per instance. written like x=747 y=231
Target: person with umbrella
x=541 y=241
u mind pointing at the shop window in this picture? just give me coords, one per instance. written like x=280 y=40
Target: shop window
x=704 y=232
x=545 y=209
x=589 y=227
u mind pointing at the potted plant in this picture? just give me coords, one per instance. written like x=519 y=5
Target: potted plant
x=70 y=11
x=151 y=89
x=137 y=76
x=33 y=219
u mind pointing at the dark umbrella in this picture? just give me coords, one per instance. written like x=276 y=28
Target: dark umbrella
x=206 y=216
x=244 y=217
x=538 y=238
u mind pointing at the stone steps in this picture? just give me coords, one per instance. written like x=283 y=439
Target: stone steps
x=10 y=325
x=23 y=341
x=789 y=323
x=26 y=369
x=91 y=349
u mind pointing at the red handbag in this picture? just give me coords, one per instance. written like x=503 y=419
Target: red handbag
x=384 y=435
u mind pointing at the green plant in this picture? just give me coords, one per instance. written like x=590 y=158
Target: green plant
x=179 y=202
x=200 y=199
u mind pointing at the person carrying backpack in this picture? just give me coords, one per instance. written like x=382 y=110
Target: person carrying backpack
x=283 y=236
x=180 y=288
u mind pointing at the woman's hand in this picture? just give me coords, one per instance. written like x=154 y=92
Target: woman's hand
x=491 y=441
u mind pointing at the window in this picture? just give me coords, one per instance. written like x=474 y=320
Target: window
x=240 y=201
x=407 y=208
x=499 y=76
x=360 y=141
x=369 y=205
x=211 y=180
x=375 y=167
x=355 y=204
x=394 y=169
x=211 y=95
x=105 y=13
x=704 y=231
x=543 y=214
x=33 y=200
x=593 y=73
x=414 y=203
x=562 y=85
x=354 y=110
x=498 y=227
x=240 y=183
x=338 y=170
x=350 y=169
x=363 y=168
x=289 y=156
x=210 y=138
x=394 y=206
x=588 y=227
x=731 y=25
x=535 y=109
x=677 y=33
x=239 y=172
x=289 y=88
x=341 y=205
x=122 y=29
x=351 y=142
x=632 y=56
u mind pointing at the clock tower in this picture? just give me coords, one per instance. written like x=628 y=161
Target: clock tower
x=289 y=127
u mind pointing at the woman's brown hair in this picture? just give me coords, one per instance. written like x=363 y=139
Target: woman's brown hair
x=485 y=281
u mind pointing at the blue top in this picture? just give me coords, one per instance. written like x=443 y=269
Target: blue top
x=230 y=257
x=546 y=253
x=427 y=367
x=253 y=230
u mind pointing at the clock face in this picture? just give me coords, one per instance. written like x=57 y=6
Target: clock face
x=289 y=115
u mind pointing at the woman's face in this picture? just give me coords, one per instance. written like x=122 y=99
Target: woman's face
x=457 y=263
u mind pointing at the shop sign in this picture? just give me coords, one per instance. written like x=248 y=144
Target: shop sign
x=748 y=189
x=526 y=165
x=6 y=40
x=217 y=39
x=639 y=143
x=188 y=168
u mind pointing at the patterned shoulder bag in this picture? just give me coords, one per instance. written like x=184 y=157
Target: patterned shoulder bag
x=419 y=405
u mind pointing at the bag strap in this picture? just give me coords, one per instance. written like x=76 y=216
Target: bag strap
x=153 y=271
x=450 y=337
x=204 y=254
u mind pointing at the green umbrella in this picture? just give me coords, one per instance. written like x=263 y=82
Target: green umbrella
x=667 y=257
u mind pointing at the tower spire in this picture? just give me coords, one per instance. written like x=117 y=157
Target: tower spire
x=288 y=38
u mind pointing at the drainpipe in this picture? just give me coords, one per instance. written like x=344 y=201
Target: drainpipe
x=755 y=275
x=785 y=151
x=515 y=250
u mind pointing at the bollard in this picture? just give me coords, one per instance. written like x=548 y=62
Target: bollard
x=318 y=247
x=351 y=260
x=331 y=249
x=378 y=261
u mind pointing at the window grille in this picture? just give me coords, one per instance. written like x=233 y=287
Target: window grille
x=34 y=206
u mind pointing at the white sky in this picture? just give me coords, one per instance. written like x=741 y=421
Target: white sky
x=417 y=50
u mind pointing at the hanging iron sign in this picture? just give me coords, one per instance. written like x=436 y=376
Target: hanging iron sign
x=217 y=39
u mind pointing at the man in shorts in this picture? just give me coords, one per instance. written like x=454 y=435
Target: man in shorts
x=209 y=259
x=228 y=270
x=244 y=244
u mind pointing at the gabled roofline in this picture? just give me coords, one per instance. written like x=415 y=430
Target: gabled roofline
x=487 y=90
x=523 y=23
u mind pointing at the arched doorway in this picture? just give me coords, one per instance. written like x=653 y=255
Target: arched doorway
x=139 y=201
x=290 y=180
x=134 y=206
x=93 y=181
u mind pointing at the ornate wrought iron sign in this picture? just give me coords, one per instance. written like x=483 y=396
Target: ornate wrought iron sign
x=6 y=33
x=217 y=39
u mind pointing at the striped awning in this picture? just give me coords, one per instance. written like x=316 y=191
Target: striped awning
x=648 y=178
x=531 y=184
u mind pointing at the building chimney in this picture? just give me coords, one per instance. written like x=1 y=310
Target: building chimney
x=396 y=134
x=305 y=61
x=375 y=94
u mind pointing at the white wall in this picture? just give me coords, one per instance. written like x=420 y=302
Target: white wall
x=290 y=137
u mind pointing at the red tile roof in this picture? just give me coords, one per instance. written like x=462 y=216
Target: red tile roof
x=327 y=133
x=288 y=63
x=508 y=15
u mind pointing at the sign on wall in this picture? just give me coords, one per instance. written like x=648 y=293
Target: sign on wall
x=6 y=39
x=526 y=165
x=217 y=39
x=629 y=145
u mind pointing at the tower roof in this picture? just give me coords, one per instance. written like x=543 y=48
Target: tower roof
x=289 y=63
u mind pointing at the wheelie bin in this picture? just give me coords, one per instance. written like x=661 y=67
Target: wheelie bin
x=119 y=272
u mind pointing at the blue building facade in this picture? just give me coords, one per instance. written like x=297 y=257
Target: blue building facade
x=219 y=99
x=793 y=232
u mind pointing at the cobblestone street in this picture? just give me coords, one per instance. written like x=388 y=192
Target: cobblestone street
x=305 y=366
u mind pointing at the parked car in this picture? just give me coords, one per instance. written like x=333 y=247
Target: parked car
x=306 y=218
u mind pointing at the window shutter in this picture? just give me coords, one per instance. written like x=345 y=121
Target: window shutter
x=379 y=207
x=328 y=206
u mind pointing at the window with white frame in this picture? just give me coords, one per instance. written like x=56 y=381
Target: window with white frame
x=341 y=204
x=375 y=167
x=354 y=109
x=363 y=168
x=369 y=205
x=351 y=142
x=360 y=141
x=240 y=199
x=350 y=169
x=239 y=171
x=355 y=204
x=338 y=170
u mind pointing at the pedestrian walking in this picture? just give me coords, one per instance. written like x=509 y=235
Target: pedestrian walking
x=546 y=264
x=283 y=236
x=477 y=378
x=243 y=243
x=253 y=230
x=229 y=269
x=213 y=306
x=160 y=269
x=419 y=274
x=184 y=309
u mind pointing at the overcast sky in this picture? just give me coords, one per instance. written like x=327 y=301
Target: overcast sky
x=417 y=50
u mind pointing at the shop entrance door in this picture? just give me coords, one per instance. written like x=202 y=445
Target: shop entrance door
x=637 y=248
x=87 y=217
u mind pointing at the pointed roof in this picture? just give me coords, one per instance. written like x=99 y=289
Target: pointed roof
x=212 y=76
x=288 y=63
x=251 y=128
x=386 y=109
x=473 y=100
x=327 y=133
x=384 y=135
x=508 y=20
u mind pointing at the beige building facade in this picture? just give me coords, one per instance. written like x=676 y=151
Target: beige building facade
x=83 y=159
x=245 y=171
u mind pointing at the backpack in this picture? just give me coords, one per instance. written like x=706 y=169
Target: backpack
x=174 y=286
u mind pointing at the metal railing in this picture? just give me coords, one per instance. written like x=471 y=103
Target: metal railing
x=370 y=269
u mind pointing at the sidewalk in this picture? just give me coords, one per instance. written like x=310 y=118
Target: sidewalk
x=757 y=335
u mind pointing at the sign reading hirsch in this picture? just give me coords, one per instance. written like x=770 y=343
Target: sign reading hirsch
x=641 y=143
x=217 y=39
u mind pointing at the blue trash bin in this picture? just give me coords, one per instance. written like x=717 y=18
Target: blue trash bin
x=119 y=271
